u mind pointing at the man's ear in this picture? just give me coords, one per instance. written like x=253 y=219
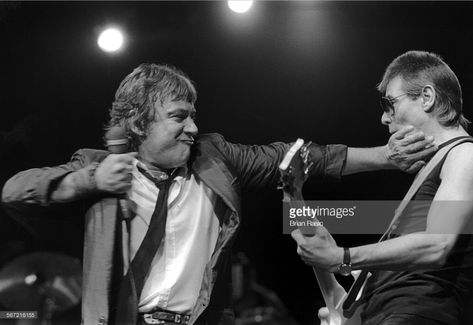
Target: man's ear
x=428 y=98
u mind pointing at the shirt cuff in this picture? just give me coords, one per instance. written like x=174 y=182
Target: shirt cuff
x=335 y=160
x=328 y=161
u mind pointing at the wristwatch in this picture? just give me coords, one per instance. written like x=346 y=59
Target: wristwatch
x=345 y=268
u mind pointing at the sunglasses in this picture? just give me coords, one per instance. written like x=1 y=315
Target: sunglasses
x=387 y=103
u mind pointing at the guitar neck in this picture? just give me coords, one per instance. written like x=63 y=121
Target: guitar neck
x=294 y=171
x=328 y=284
x=329 y=287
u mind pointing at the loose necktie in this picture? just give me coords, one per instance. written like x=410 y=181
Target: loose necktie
x=132 y=283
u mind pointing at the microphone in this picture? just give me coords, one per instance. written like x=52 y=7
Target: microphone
x=116 y=141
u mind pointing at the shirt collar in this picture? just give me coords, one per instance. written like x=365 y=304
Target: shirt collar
x=159 y=175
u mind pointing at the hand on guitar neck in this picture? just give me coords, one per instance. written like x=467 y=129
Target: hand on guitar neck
x=319 y=250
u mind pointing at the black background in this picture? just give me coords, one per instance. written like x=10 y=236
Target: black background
x=283 y=70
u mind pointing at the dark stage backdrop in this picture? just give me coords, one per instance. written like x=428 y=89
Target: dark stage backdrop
x=284 y=70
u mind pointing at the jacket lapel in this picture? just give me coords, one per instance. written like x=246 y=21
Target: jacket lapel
x=216 y=175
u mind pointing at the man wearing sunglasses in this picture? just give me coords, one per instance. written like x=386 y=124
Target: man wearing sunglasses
x=422 y=273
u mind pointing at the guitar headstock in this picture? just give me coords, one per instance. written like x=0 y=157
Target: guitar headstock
x=294 y=170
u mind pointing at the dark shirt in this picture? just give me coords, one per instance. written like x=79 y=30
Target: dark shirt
x=436 y=294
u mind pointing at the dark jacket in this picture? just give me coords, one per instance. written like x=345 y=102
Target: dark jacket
x=226 y=168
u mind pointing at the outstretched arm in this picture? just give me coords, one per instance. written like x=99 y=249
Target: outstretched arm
x=258 y=165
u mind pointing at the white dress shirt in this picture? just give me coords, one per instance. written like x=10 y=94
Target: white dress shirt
x=174 y=280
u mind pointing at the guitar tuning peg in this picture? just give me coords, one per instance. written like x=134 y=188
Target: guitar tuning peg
x=306 y=146
x=306 y=157
x=308 y=168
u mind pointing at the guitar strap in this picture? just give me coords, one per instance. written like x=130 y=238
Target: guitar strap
x=354 y=291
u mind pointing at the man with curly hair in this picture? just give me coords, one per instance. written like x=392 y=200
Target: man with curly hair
x=191 y=184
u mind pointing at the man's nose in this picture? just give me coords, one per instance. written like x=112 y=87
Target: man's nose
x=190 y=127
x=386 y=118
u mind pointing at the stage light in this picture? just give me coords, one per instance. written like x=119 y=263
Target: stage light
x=240 y=6
x=110 y=40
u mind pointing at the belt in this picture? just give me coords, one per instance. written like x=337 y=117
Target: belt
x=165 y=317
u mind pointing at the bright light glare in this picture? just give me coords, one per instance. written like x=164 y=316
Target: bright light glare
x=110 y=40
x=240 y=6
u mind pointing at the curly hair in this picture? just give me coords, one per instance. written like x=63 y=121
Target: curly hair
x=418 y=69
x=134 y=105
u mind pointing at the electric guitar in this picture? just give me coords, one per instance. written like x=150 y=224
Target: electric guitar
x=294 y=170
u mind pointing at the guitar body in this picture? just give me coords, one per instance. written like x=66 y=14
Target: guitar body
x=294 y=171
x=334 y=296
x=336 y=318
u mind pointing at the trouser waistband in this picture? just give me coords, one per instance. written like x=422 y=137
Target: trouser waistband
x=164 y=317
